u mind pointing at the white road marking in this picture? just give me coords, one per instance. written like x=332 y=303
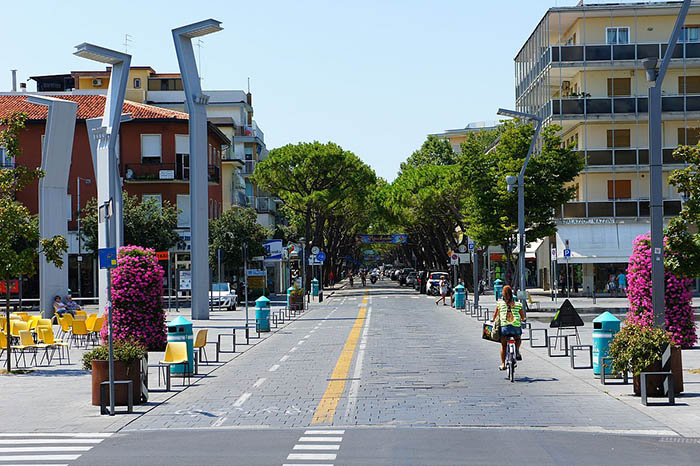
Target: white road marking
x=294 y=464
x=241 y=399
x=301 y=342
x=312 y=331
x=259 y=382
x=355 y=384
x=25 y=441
x=293 y=349
x=312 y=456
x=284 y=358
x=307 y=336
x=317 y=447
x=219 y=422
x=321 y=439
x=56 y=434
x=274 y=368
x=324 y=432
x=41 y=457
x=41 y=449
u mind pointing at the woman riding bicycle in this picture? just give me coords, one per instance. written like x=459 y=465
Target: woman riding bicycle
x=511 y=315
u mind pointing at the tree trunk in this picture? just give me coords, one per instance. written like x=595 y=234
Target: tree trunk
x=7 y=327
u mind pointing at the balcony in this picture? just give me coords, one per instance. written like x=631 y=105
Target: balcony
x=572 y=107
x=264 y=205
x=165 y=172
x=248 y=167
x=631 y=208
x=624 y=157
x=229 y=155
x=249 y=133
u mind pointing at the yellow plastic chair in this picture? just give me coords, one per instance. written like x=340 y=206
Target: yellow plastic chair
x=65 y=326
x=26 y=343
x=90 y=321
x=49 y=339
x=79 y=332
x=17 y=326
x=176 y=354
x=23 y=315
x=81 y=313
x=82 y=317
x=96 y=328
x=3 y=344
x=43 y=324
x=200 y=343
x=32 y=324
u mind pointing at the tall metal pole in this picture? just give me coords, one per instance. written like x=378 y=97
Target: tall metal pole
x=245 y=274
x=106 y=207
x=218 y=256
x=303 y=274
x=80 y=252
x=476 y=277
x=656 y=170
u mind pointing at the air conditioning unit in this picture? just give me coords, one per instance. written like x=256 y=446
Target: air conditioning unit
x=97 y=82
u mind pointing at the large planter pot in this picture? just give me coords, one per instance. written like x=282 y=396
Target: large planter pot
x=122 y=371
x=296 y=303
x=655 y=383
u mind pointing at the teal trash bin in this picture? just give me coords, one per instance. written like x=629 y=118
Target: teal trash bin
x=605 y=326
x=498 y=288
x=262 y=314
x=289 y=294
x=460 y=296
x=314 y=287
x=180 y=329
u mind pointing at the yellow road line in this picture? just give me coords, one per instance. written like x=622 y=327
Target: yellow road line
x=328 y=404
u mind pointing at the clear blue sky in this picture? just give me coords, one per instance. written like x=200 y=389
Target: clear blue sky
x=374 y=76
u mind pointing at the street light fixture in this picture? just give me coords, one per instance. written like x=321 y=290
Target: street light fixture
x=519 y=182
x=199 y=185
x=656 y=169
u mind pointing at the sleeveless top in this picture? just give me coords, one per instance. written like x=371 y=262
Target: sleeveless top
x=503 y=313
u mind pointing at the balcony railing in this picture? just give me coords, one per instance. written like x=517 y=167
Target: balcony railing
x=164 y=172
x=264 y=204
x=230 y=155
x=624 y=156
x=616 y=208
x=248 y=167
x=621 y=105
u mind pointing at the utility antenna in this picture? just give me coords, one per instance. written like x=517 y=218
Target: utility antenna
x=127 y=41
x=200 y=44
x=248 y=84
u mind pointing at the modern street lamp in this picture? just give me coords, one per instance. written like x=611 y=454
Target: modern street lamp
x=656 y=169
x=520 y=183
x=199 y=184
x=80 y=250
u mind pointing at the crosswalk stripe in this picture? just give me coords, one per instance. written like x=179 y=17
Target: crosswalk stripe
x=324 y=432
x=312 y=456
x=316 y=447
x=39 y=457
x=35 y=464
x=321 y=439
x=41 y=449
x=288 y=464
x=55 y=434
x=63 y=441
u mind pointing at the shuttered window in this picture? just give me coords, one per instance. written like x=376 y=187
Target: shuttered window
x=688 y=136
x=619 y=87
x=689 y=84
x=619 y=138
x=619 y=189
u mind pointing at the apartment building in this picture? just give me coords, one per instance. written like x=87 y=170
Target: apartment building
x=457 y=136
x=581 y=69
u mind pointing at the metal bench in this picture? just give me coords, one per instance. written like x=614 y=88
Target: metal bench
x=574 y=348
x=104 y=395
x=668 y=386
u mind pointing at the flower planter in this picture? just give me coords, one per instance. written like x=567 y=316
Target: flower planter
x=122 y=371
x=655 y=383
x=296 y=303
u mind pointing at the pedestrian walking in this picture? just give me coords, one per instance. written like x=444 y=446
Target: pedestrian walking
x=622 y=283
x=443 y=292
x=612 y=285
x=331 y=278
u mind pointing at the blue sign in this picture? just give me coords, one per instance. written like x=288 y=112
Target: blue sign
x=384 y=239
x=471 y=246
x=321 y=256
x=108 y=258
x=567 y=252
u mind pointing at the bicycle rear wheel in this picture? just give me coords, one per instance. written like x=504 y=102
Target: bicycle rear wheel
x=511 y=370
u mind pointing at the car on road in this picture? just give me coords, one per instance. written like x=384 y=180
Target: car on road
x=434 y=282
x=421 y=281
x=222 y=294
x=404 y=273
x=411 y=279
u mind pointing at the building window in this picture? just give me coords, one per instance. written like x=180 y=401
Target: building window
x=182 y=157
x=617 y=35
x=619 y=87
x=70 y=207
x=150 y=148
x=137 y=83
x=689 y=84
x=183 y=205
x=619 y=189
x=158 y=198
x=5 y=160
x=688 y=136
x=618 y=138
x=690 y=34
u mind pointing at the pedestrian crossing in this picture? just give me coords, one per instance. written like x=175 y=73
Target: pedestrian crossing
x=46 y=449
x=315 y=448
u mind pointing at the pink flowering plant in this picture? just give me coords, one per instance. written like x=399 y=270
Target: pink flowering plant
x=137 y=307
x=680 y=321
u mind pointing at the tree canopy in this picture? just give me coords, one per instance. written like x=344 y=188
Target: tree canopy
x=229 y=232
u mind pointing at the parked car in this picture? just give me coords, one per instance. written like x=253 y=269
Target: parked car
x=223 y=295
x=411 y=279
x=404 y=273
x=434 y=282
x=421 y=281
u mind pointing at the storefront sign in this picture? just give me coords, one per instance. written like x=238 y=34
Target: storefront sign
x=586 y=221
x=166 y=174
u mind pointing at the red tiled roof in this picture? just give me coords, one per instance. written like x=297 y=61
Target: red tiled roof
x=89 y=106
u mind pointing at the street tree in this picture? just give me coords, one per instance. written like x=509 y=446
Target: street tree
x=230 y=232
x=20 y=241
x=434 y=151
x=491 y=210
x=146 y=224
x=682 y=232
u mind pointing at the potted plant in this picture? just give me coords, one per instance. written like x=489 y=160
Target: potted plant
x=638 y=349
x=296 y=299
x=128 y=355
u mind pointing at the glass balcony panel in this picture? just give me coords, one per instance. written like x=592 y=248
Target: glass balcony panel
x=677 y=53
x=692 y=103
x=642 y=104
x=643 y=156
x=623 y=52
x=574 y=210
x=643 y=208
x=647 y=51
x=555 y=54
x=599 y=105
x=600 y=209
x=624 y=104
x=572 y=106
x=597 y=52
x=670 y=158
x=572 y=53
x=672 y=104
x=600 y=157
x=626 y=209
x=626 y=157
x=556 y=107
x=692 y=50
x=672 y=208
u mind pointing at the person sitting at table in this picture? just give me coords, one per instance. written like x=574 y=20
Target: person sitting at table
x=71 y=305
x=60 y=308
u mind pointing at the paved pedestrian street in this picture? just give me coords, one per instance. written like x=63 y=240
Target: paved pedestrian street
x=384 y=376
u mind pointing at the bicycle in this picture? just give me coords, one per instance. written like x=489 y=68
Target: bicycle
x=511 y=363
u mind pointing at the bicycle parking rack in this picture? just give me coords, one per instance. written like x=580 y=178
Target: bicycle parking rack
x=555 y=339
x=528 y=326
x=532 y=337
x=574 y=348
x=604 y=378
x=668 y=386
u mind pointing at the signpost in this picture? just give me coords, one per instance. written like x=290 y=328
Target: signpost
x=108 y=260
x=553 y=274
x=567 y=255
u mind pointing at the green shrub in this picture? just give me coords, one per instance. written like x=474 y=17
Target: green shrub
x=124 y=350
x=635 y=348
